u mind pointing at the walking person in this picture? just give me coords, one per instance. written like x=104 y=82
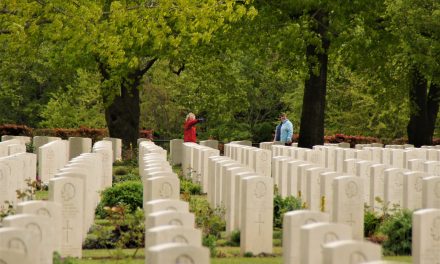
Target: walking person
x=286 y=130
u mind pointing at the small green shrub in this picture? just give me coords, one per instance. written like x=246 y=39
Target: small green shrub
x=210 y=221
x=187 y=186
x=209 y=241
x=57 y=259
x=282 y=206
x=128 y=193
x=248 y=255
x=234 y=239
x=372 y=222
x=120 y=170
x=126 y=177
x=397 y=229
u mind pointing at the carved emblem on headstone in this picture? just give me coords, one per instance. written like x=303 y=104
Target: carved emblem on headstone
x=166 y=190
x=43 y=211
x=357 y=257
x=435 y=229
x=36 y=229
x=418 y=184
x=176 y=222
x=260 y=190
x=68 y=192
x=351 y=189
x=330 y=237
x=184 y=259
x=180 y=239
x=18 y=245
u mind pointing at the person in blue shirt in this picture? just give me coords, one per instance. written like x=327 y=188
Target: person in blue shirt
x=286 y=130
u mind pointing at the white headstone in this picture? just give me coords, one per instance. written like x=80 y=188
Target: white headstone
x=348 y=203
x=426 y=236
x=314 y=236
x=431 y=192
x=350 y=252
x=69 y=192
x=257 y=205
x=178 y=253
x=292 y=222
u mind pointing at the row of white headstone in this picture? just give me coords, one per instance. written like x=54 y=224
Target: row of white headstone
x=307 y=176
x=170 y=233
x=244 y=192
x=60 y=224
x=48 y=150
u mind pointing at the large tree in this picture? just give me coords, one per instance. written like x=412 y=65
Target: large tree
x=414 y=25
x=122 y=40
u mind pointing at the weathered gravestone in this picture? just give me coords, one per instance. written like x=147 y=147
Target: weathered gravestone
x=348 y=204
x=257 y=218
x=176 y=151
x=292 y=222
x=21 y=241
x=431 y=192
x=315 y=235
x=178 y=253
x=350 y=252
x=49 y=209
x=426 y=236
x=40 y=228
x=79 y=145
x=69 y=192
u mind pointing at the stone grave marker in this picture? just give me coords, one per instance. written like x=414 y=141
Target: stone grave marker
x=69 y=192
x=348 y=204
x=314 y=236
x=292 y=223
x=350 y=252
x=257 y=219
x=426 y=236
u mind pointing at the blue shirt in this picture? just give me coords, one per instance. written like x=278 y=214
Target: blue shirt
x=286 y=131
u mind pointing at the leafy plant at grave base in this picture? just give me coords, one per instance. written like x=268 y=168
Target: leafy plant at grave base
x=248 y=255
x=210 y=242
x=29 y=193
x=282 y=206
x=187 y=186
x=29 y=148
x=126 y=177
x=57 y=259
x=397 y=230
x=234 y=239
x=120 y=170
x=6 y=209
x=128 y=193
x=119 y=230
x=372 y=222
x=210 y=221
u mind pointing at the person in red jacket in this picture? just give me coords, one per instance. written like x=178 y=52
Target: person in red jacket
x=189 y=128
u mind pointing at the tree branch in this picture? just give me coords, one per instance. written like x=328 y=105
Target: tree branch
x=148 y=65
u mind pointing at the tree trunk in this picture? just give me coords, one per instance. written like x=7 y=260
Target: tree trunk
x=418 y=126
x=312 y=117
x=433 y=107
x=122 y=114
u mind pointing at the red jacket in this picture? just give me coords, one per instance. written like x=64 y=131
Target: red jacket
x=189 y=131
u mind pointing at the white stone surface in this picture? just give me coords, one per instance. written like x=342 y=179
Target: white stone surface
x=257 y=219
x=348 y=204
x=292 y=222
x=426 y=236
